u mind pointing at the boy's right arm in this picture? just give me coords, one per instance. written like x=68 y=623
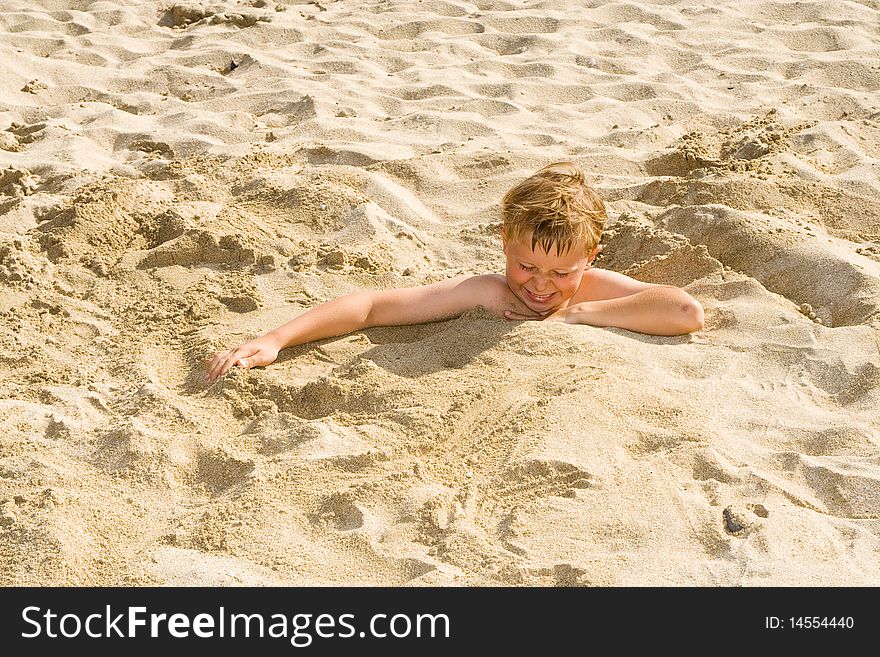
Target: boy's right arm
x=412 y=305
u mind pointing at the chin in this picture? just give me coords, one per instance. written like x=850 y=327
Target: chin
x=541 y=309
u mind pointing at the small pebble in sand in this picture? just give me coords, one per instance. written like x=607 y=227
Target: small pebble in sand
x=733 y=526
x=34 y=86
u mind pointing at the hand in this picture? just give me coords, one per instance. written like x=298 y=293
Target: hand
x=256 y=353
x=560 y=315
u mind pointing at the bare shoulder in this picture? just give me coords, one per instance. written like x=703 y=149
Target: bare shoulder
x=487 y=290
x=491 y=292
x=436 y=301
x=477 y=288
x=600 y=284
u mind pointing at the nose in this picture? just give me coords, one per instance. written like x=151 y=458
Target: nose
x=540 y=284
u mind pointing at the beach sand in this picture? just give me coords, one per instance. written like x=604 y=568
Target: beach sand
x=177 y=179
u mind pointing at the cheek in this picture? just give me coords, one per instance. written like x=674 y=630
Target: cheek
x=568 y=286
x=517 y=275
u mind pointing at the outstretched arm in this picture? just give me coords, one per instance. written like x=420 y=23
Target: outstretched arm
x=341 y=315
x=353 y=312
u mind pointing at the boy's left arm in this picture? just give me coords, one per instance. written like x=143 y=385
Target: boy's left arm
x=659 y=310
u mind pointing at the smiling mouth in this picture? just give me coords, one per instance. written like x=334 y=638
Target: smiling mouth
x=539 y=298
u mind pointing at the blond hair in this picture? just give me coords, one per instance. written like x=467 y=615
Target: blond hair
x=556 y=207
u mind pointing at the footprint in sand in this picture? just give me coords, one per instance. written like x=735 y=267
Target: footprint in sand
x=340 y=511
x=535 y=479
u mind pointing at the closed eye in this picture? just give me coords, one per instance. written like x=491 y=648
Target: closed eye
x=559 y=274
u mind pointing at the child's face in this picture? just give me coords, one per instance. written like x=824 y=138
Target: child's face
x=544 y=282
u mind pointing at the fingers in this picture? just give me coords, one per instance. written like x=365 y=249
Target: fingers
x=215 y=365
x=223 y=361
x=509 y=314
x=245 y=356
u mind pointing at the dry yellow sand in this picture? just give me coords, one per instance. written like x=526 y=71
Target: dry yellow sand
x=177 y=179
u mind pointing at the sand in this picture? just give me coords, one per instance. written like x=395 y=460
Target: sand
x=177 y=179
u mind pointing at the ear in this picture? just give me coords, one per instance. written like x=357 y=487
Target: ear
x=594 y=253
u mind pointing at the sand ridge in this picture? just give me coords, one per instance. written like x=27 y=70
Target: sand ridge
x=176 y=178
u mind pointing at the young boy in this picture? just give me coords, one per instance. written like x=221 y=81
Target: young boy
x=551 y=226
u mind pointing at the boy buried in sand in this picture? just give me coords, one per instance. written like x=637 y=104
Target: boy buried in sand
x=551 y=226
